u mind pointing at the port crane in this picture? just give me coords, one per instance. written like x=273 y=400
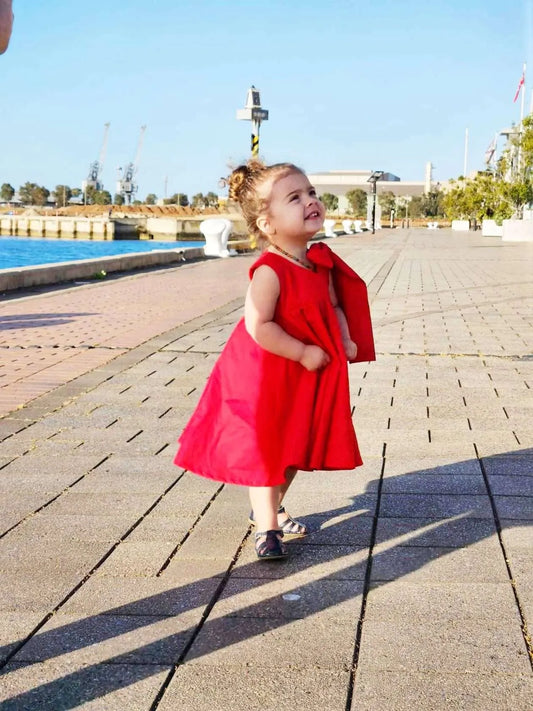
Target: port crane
x=126 y=185
x=95 y=169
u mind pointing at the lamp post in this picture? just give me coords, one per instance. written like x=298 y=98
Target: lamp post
x=254 y=113
x=376 y=175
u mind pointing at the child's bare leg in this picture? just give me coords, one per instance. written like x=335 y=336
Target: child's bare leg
x=289 y=525
x=268 y=544
x=290 y=473
x=265 y=501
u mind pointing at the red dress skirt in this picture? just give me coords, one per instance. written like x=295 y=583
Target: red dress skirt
x=261 y=413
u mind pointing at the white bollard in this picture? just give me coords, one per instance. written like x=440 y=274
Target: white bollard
x=358 y=226
x=216 y=232
x=347 y=227
x=328 y=228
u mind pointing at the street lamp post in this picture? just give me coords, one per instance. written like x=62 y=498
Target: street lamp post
x=254 y=113
x=376 y=175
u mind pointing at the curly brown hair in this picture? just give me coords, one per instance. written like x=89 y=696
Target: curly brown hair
x=245 y=184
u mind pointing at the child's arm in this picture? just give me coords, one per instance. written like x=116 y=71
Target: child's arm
x=259 y=308
x=350 y=348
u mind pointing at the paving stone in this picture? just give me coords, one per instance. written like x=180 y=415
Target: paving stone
x=155 y=596
x=23 y=555
x=511 y=485
x=168 y=529
x=515 y=507
x=456 y=646
x=133 y=558
x=117 y=639
x=516 y=534
x=94 y=504
x=480 y=562
x=84 y=528
x=449 y=483
x=338 y=529
x=57 y=686
x=441 y=465
x=257 y=687
x=435 y=505
x=408 y=690
x=36 y=590
x=290 y=598
x=445 y=532
x=321 y=641
x=517 y=465
x=329 y=562
x=15 y=626
x=445 y=601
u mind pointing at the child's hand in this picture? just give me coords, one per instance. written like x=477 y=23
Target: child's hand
x=350 y=348
x=314 y=358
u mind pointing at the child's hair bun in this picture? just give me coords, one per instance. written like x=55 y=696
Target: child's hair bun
x=243 y=177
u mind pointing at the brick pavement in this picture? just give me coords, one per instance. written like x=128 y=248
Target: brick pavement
x=127 y=583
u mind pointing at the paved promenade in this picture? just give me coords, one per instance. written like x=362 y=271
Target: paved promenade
x=127 y=584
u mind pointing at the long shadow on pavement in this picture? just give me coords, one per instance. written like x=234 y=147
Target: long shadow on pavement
x=455 y=510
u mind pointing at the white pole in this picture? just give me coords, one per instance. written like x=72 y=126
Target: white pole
x=466 y=153
x=522 y=100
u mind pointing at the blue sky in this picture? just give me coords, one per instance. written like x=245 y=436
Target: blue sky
x=382 y=85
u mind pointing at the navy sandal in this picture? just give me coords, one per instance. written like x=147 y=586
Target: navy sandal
x=290 y=527
x=270 y=547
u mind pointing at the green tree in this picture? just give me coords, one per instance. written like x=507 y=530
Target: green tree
x=198 y=201
x=40 y=195
x=357 y=199
x=6 y=192
x=76 y=192
x=151 y=199
x=486 y=196
x=118 y=199
x=33 y=194
x=527 y=143
x=211 y=199
x=62 y=194
x=331 y=202
x=26 y=192
x=102 y=197
x=387 y=200
x=180 y=199
x=90 y=192
x=431 y=204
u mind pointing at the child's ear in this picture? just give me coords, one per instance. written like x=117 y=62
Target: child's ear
x=264 y=225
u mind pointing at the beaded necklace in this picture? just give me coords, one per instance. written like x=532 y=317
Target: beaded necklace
x=311 y=267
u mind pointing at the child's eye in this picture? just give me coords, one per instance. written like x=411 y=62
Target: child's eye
x=293 y=198
x=312 y=193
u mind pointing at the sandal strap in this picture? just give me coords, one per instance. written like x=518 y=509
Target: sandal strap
x=277 y=531
x=271 y=546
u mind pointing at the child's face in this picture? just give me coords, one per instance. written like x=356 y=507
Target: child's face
x=294 y=210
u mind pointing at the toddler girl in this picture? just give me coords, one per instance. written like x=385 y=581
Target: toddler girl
x=278 y=397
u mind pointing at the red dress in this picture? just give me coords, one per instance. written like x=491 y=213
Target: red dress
x=261 y=413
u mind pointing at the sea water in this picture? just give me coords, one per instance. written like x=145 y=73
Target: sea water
x=27 y=251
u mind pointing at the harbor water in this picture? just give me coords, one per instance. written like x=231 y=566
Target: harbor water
x=26 y=251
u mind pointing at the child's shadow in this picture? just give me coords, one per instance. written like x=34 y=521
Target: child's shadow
x=384 y=534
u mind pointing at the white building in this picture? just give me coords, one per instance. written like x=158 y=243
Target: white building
x=340 y=182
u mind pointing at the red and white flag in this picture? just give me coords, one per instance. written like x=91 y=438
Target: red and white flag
x=520 y=85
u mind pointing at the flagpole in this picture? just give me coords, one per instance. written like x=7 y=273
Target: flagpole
x=523 y=98
x=520 y=129
x=466 y=153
